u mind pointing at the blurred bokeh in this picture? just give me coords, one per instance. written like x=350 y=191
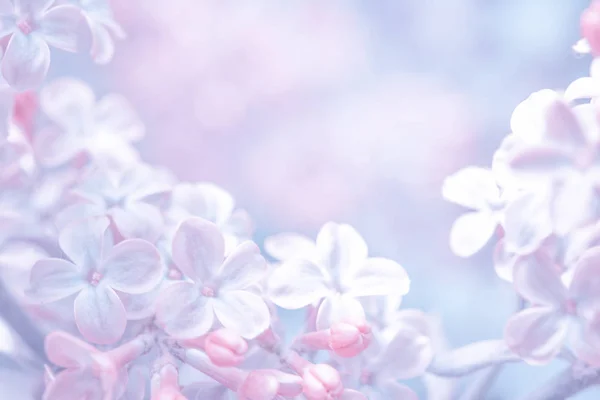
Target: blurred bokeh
x=347 y=110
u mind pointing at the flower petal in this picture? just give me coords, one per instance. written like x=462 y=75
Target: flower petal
x=32 y=7
x=53 y=279
x=74 y=384
x=540 y=160
x=100 y=315
x=62 y=27
x=585 y=286
x=286 y=246
x=471 y=187
x=198 y=248
x=526 y=223
x=339 y=308
x=204 y=200
x=67 y=351
x=536 y=334
x=340 y=248
x=563 y=127
x=115 y=114
x=379 y=277
x=183 y=312
x=82 y=241
x=528 y=118
x=395 y=390
x=133 y=266
x=537 y=279
x=103 y=44
x=573 y=204
x=296 y=284
x=416 y=352
x=242 y=268
x=471 y=231
x=138 y=220
x=583 y=88
x=243 y=312
x=26 y=61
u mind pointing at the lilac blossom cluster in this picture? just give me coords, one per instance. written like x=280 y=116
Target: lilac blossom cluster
x=119 y=282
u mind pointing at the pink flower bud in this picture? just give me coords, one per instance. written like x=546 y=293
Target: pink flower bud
x=225 y=348
x=348 y=340
x=165 y=385
x=590 y=27
x=322 y=382
x=258 y=385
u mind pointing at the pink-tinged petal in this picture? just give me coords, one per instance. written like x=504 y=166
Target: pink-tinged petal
x=65 y=27
x=243 y=312
x=67 y=351
x=407 y=355
x=584 y=340
x=540 y=160
x=340 y=248
x=26 y=61
x=536 y=334
x=286 y=246
x=504 y=261
x=526 y=223
x=132 y=266
x=528 y=118
x=103 y=44
x=296 y=284
x=585 y=285
x=572 y=204
x=82 y=241
x=100 y=315
x=379 y=277
x=198 y=248
x=471 y=187
x=67 y=101
x=53 y=279
x=74 y=385
x=583 y=88
x=340 y=309
x=183 y=312
x=258 y=386
x=537 y=279
x=471 y=231
x=562 y=126
x=116 y=114
x=243 y=267
x=395 y=390
x=138 y=220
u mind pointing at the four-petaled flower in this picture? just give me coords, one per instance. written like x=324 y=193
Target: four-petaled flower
x=218 y=286
x=337 y=270
x=96 y=272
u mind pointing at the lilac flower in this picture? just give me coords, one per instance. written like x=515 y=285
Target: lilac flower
x=568 y=157
x=213 y=203
x=474 y=188
x=96 y=271
x=560 y=311
x=32 y=26
x=103 y=129
x=130 y=198
x=586 y=87
x=338 y=272
x=104 y=28
x=219 y=286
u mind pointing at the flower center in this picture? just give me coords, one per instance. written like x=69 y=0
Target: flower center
x=571 y=307
x=94 y=277
x=25 y=25
x=207 y=291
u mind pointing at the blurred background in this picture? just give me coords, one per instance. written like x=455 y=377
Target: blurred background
x=347 y=110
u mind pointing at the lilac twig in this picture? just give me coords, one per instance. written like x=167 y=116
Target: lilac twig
x=567 y=383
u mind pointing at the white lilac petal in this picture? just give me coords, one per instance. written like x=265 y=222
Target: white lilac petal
x=407 y=355
x=471 y=187
x=585 y=285
x=204 y=200
x=132 y=266
x=83 y=241
x=198 y=248
x=183 y=312
x=53 y=279
x=340 y=248
x=527 y=223
x=471 y=232
x=243 y=267
x=61 y=27
x=536 y=334
x=573 y=203
x=115 y=114
x=100 y=315
x=379 y=277
x=339 y=308
x=297 y=283
x=77 y=213
x=32 y=7
x=138 y=220
x=68 y=102
x=528 y=118
x=103 y=44
x=542 y=161
x=563 y=127
x=536 y=278
x=26 y=61
x=583 y=88
x=243 y=312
